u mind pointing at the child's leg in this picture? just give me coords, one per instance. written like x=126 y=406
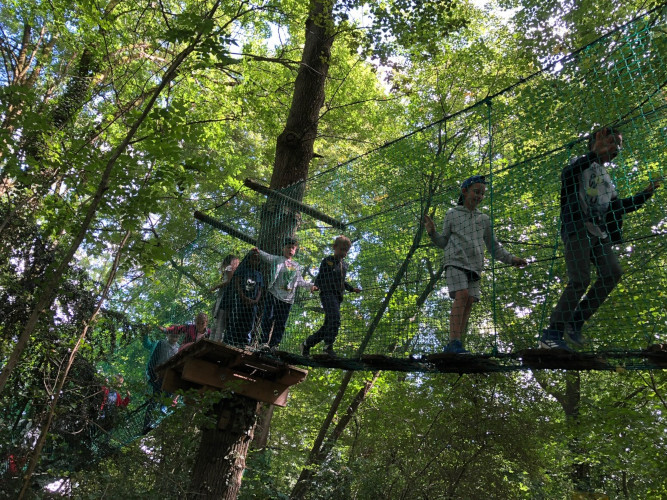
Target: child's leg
x=268 y=318
x=329 y=330
x=577 y=252
x=281 y=313
x=220 y=325
x=460 y=314
x=458 y=285
x=609 y=273
x=244 y=326
x=466 y=313
x=332 y=311
x=223 y=315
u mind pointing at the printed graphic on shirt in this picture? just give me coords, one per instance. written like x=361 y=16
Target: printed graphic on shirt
x=288 y=275
x=597 y=191
x=250 y=287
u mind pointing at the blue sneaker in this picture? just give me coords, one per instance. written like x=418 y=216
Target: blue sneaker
x=553 y=339
x=574 y=336
x=455 y=347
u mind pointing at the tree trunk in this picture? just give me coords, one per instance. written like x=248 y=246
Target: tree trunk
x=221 y=457
x=570 y=400
x=294 y=148
x=295 y=145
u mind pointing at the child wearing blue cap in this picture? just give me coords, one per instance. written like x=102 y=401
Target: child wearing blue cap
x=465 y=232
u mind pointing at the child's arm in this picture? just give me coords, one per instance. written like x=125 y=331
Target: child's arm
x=627 y=205
x=438 y=239
x=303 y=283
x=266 y=257
x=349 y=287
x=497 y=250
x=226 y=279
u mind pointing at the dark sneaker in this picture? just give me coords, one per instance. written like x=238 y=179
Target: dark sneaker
x=328 y=350
x=455 y=347
x=305 y=350
x=264 y=348
x=553 y=339
x=574 y=336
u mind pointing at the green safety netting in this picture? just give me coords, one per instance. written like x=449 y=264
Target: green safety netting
x=520 y=139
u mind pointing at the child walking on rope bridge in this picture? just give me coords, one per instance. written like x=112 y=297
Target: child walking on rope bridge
x=465 y=232
x=246 y=294
x=286 y=277
x=331 y=282
x=222 y=302
x=591 y=217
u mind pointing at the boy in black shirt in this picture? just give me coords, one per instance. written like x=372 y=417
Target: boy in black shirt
x=331 y=282
x=591 y=216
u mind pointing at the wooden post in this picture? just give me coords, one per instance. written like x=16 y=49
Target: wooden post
x=222 y=453
x=224 y=227
x=292 y=203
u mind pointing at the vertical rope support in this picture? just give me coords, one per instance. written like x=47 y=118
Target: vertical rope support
x=493 y=232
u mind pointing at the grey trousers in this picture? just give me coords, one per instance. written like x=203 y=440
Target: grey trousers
x=582 y=250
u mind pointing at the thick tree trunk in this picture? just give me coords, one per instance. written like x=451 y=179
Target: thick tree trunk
x=295 y=145
x=221 y=458
x=570 y=400
x=294 y=148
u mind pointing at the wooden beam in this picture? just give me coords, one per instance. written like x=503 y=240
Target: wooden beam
x=308 y=210
x=172 y=382
x=207 y=373
x=224 y=227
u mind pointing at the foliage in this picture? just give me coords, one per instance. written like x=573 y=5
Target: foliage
x=79 y=125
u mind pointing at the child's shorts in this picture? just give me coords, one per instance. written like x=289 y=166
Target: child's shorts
x=460 y=279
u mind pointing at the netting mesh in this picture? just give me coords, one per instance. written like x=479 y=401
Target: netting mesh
x=520 y=139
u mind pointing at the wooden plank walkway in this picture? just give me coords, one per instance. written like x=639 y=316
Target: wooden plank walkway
x=267 y=376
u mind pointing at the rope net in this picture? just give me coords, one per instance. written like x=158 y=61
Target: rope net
x=520 y=139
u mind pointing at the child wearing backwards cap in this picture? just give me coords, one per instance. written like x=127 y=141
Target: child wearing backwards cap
x=286 y=277
x=464 y=234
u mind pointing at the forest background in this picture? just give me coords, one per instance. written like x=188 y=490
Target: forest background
x=120 y=120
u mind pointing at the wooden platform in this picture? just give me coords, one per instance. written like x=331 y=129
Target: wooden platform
x=209 y=365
